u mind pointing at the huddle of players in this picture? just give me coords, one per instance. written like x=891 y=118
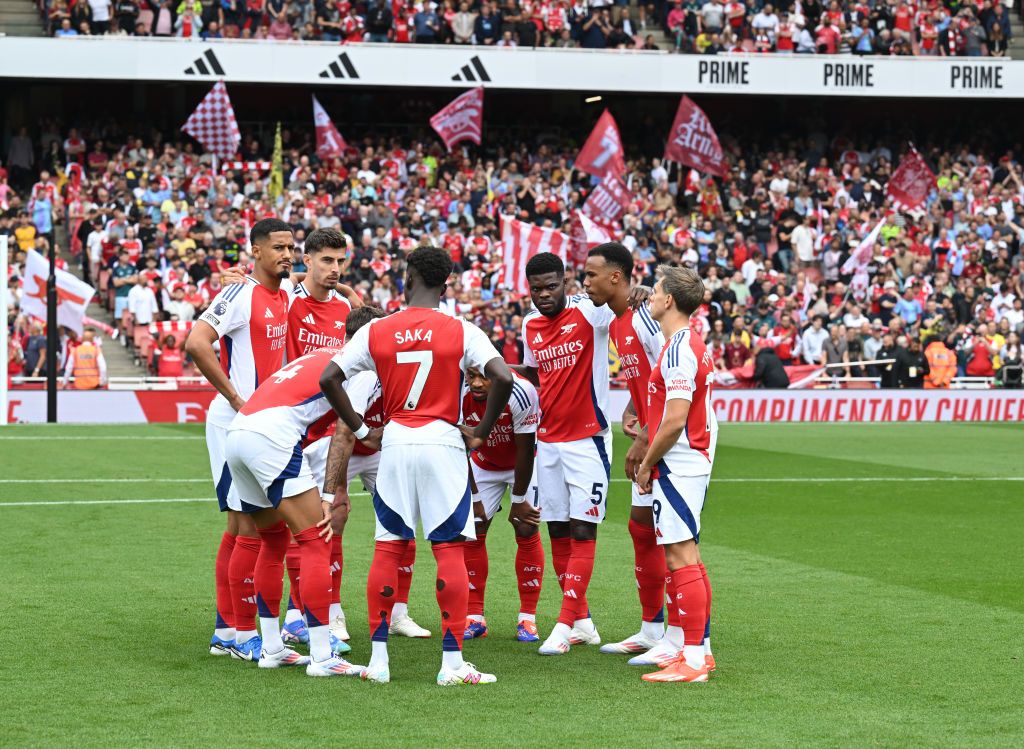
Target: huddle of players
x=396 y=386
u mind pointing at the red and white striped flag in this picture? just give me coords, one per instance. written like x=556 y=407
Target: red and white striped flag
x=521 y=241
x=213 y=123
x=462 y=119
x=857 y=263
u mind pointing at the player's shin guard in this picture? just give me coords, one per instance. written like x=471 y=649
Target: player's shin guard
x=269 y=583
x=561 y=550
x=292 y=560
x=476 y=570
x=651 y=571
x=240 y=575
x=576 y=580
x=337 y=565
x=529 y=571
x=692 y=602
x=382 y=586
x=225 y=609
x=315 y=589
x=452 y=594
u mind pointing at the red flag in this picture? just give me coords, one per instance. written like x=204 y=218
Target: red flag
x=520 y=241
x=586 y=235
x=692 y=140
x=329 y=143
x=213 y=123
x=602 y=153
x=911 y=182
x=462 y=119
x=609 y=200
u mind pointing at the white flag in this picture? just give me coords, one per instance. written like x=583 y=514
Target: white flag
x=73 y=295
x=520 y=241
x=860 y=257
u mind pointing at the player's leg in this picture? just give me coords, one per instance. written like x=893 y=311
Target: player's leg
x=316 y=456
x=224 y=624
x=294 y=630
x=553 y=492
x=241 y=577
x=709 y=657
x=678 y=501
x=490 y=487
x=529 y=565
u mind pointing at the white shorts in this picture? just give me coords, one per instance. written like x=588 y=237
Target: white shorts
x=363 y=466
x=264 y=472
x=423 y=484
x=227 y=492
x=573 y=479
x=677 y=502
x=638 y=499
x=491 y=486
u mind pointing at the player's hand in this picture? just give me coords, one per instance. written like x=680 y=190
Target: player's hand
x=629 y=425
x=374 y=438
x=237 y=402
x=638 y=295
x=340 y=511
x=523 y=513
x=326 y=531
x=643 y=478
x=634 y=457
x=232 y=276
x=469 y=436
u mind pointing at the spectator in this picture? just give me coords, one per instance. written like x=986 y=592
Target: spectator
x=86 y=364
x=427 y=25
x=813 y=341
x=487 y=28
x=941 y=364
x=168 y=360
x=101 y=11
x=768 y=370
x=911 y=365
x=35 y=352
x=379 y=20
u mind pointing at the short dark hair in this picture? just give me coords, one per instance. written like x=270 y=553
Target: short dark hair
x=545 y=262
x=358 y=317
x=266 y=227
x=615 y=253
x=684 y=286
x=322 y=239
x=432 y=264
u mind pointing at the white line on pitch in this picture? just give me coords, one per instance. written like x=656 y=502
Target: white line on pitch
x=181 y=500
x=95 y=437
x=106 y=481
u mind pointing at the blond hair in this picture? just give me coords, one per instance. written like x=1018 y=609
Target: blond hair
x=684 y=286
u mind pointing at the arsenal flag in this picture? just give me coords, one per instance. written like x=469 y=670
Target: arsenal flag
x=329 y=143
x=692 y=140
x=213 y=123
x=73 y=295
x=602 y=153
x=586 y=235
x=462 y=119
x=609 y=200
x=911 y=182
x=520 y=241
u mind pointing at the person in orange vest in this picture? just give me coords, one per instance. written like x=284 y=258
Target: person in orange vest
x=169 y=358
x=941 y=364
x=86 y=364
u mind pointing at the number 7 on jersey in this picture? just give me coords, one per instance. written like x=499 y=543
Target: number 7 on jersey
x=423 y=360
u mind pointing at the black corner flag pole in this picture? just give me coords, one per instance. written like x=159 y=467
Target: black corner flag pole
x=52 y=341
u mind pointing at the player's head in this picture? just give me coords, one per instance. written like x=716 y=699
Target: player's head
x=272 y=246
x=607 y=272
x=429 y=268
x=678 y=291
x=358 y=317
x=479 y=385
x=326 y=257
x=545 y=275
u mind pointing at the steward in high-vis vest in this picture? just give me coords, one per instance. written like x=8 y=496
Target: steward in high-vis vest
x=86 y=364
x=941 y=365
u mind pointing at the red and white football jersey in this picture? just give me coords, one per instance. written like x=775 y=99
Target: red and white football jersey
x=520 y=416
x=685 y=369
x=313 y=324
x=288 y=402
x=252 y=322
x=570 y=352
x=639 y=341
x=420 y=356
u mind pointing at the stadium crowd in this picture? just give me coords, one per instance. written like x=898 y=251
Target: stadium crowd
x=153 y=227
x=873 y=27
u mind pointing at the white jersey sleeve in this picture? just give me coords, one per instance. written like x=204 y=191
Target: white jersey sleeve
x=478 y=348
x=230 y=309
x=648 y=332
x=355 y=357
x=525 y=407
x=679 y=369
x=528 y=358
x=360 y=391
x=599 y=317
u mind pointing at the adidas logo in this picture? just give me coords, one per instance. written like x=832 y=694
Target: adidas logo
x=206 y=64
x=467 y=73
x=250 y=599
x=308 y=319
x=335 y=567
x=407 y=570
x=593 y=512
x=247 y=581
x=538 y=339
x=570 y=594
x=334 y=70
x=535 y=583
x=268 y=314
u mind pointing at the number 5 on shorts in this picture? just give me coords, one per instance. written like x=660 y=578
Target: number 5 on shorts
x=423 y=360
x=596 y=490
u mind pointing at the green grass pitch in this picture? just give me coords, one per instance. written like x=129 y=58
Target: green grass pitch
x=883 y=609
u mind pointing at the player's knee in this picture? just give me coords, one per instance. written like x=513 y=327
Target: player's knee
x=525 y=531
x=581 y=531
x=681 y=554
x=558 y=529
x=642 y=515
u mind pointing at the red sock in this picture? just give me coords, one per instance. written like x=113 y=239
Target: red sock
x=315 y=576
x=452 y=592
x=381 y=585
x=476 y=569
x=225 y=611
x=529 y=571
x=240 y=576
x=561 y=551
x=649 y=560
x=692 y=600
x=337 y=564
x=707 y=590
x=577 y=579
x=405 y=572
x=672 y=611
x=268 y=576
x=292 y=560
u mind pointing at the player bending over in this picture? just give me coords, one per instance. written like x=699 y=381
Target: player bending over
x=505 y=461
x=676 y=470
x=264 y=452
x=420 y=356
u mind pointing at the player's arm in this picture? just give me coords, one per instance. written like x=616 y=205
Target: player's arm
x=199 y=346
x=521 y=510
x=529 y=373
x=636 y=453
x=629 y=419
x=353 y=359
x=497 y=371
x=350 y=294
x=671 y=429
x=335 y=485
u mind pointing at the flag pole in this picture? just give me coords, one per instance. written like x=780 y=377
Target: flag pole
x=52 y=340
x=3 y=329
